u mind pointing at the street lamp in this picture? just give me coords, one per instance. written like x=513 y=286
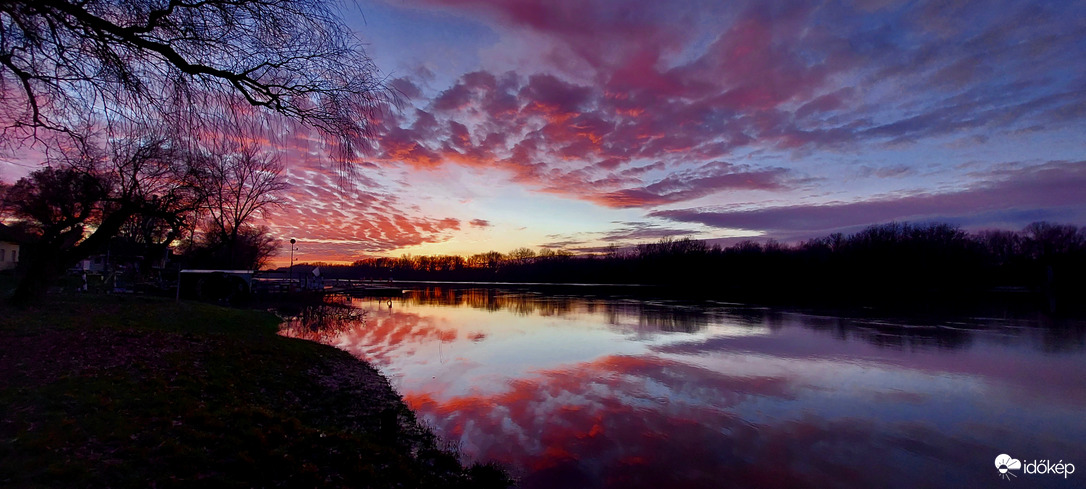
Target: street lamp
x=290 y=281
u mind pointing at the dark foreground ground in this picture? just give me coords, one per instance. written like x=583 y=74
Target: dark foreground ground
x=101 y=391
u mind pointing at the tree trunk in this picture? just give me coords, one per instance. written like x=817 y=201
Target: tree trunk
x=43 y=271
x=233 y=244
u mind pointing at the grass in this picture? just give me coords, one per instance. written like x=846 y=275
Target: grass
x=105 y=391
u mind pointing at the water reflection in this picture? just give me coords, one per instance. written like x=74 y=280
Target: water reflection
x=591 y=392
x=322 y=321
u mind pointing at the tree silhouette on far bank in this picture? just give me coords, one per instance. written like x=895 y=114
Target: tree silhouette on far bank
x=891 y=263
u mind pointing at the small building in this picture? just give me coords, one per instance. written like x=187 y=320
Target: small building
x=92 y=264
x=9 y=255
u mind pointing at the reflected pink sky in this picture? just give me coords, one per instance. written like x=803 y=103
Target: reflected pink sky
x=571 y=392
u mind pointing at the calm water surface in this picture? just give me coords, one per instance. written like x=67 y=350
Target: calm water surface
x=583 y=392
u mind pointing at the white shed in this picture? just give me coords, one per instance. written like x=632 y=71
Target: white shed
x=9 y=255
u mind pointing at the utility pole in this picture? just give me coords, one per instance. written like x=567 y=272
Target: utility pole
x=290 y=281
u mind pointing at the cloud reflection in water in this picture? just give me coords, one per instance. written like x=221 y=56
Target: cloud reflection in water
x=574 y=392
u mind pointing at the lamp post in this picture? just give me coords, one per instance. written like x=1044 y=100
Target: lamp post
x=290 y=280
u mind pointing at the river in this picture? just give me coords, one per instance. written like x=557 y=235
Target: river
x=582 y=391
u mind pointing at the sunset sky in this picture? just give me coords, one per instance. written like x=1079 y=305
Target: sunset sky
x=576 y=124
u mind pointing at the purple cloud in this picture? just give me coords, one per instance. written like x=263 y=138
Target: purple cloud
x=767 y=75
x=686 y=185
x=1012 y=196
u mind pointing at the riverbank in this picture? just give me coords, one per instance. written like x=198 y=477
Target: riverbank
x=107 y=391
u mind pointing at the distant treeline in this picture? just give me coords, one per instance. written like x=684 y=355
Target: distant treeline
x=892 y=262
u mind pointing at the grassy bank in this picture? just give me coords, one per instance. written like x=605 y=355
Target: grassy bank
x=135 y=392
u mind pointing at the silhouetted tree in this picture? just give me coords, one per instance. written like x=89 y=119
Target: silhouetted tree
x=1001 y=246
x=88 y=74
x=87 y=198
x=185 y=64
x=489 y=260
x=521 y=255
x=55 y=205
x=56 y=202
x=238 y=184
x=1045 y=241
x=152 y=235
x=747 y=247
x=892 y=264
x=1058 y=255
x=250 y=249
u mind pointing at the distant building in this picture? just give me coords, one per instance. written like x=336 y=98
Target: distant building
x=109 y=262
x=9 y=255
x=10 y=252
x=95 y=263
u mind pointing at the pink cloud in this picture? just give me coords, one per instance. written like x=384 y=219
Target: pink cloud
x=552 y=96
x=690 y=184
x=405 y=88
x=334 y=221
x=634 y=104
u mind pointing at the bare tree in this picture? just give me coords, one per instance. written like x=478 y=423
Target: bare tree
x=521 y=255
x=97 y=73
x=1045 y=240
x=238 y=185
x=57 y=202
x=153 y=235
x=250 y=250
x=80 y=202
x=185 y=63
